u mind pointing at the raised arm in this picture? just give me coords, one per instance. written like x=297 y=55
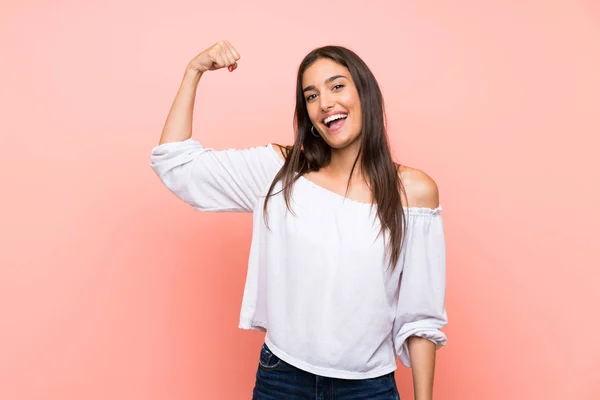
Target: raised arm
x=208 y=179
x=178 y=126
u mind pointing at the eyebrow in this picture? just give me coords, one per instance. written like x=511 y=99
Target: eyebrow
x=328 y=80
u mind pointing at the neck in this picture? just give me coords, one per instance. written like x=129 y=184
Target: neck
x=342 y=161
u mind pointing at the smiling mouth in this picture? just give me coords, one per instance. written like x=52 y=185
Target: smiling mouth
x=334 y=122
x=335 y=125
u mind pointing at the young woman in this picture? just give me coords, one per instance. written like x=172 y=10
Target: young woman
x=347 y=261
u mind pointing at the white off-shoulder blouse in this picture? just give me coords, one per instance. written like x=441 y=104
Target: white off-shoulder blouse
x=318 y=282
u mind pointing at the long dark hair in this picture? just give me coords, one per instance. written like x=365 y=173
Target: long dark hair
x=310 y=153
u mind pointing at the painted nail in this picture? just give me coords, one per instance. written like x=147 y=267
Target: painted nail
x=231 y=68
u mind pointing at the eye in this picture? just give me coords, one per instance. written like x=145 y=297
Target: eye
x=310 y=97
x=338 y=87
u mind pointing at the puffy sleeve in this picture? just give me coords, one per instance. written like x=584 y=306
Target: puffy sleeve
x=420 y=310
x=211 y=180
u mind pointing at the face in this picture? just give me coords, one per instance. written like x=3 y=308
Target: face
x=332 y=102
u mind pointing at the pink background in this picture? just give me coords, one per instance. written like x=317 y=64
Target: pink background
x=111 y=288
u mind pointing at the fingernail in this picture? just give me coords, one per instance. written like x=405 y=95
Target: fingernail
x=231 y=68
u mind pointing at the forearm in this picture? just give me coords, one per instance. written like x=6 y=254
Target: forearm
x=178 y=126
x=422 y=358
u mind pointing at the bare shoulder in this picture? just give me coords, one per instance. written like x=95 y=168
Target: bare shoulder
x=421 y=189
x=282 y=151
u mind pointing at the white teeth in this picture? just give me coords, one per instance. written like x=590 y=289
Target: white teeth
x=334 y=117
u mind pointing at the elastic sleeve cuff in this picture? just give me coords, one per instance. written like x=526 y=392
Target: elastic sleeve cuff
x=434 y=335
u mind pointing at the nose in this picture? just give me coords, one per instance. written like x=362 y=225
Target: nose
x=326 y=102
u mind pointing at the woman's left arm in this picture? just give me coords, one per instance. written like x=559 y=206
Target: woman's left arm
x=422 y=357
x=420 y=313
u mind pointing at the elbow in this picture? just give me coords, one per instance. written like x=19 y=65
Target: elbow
x=425 y=329
x=417 y=338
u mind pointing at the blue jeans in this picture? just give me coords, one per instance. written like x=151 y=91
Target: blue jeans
x=278 y=380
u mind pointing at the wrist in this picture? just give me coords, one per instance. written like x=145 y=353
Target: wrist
x=192 y=75
x=193 y=71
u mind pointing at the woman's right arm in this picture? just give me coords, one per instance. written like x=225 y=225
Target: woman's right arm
x=208 y=179
x=178 y=126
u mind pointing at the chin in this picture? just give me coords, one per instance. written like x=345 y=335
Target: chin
x=341 y=142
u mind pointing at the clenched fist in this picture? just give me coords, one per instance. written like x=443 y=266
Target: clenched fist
x=220 y=55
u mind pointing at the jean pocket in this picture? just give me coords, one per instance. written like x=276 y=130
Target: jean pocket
x=267 y=359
